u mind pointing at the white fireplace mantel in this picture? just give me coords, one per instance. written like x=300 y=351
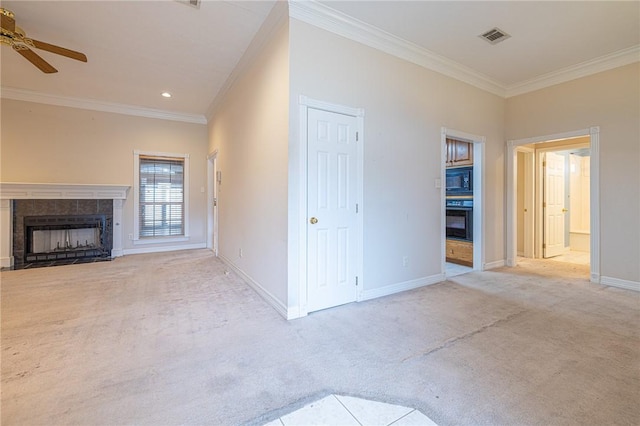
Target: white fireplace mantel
x=61 y=191
x=57 y=191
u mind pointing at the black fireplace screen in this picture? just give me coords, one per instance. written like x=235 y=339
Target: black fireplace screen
x=49 y=238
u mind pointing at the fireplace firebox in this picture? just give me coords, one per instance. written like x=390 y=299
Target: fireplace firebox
x=68 y=237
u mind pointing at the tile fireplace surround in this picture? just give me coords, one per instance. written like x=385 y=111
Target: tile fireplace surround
x=46 y=191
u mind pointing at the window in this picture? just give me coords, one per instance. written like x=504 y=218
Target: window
x=161 y=196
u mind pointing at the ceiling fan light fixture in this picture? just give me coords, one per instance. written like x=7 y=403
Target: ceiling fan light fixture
x=14 y=36
x=165 y=94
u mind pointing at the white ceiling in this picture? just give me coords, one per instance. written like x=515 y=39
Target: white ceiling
x=545 y=35
x=137 y=49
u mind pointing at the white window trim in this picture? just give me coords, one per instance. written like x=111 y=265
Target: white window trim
x=136 y=198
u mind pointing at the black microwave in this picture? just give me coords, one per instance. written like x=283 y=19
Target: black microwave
x=460 y=181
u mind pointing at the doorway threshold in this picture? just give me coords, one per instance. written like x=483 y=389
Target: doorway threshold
x=453 y=269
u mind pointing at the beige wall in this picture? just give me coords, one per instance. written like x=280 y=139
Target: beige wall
x=405 y=108
x=610 y=100
x=249 y=131
x=52 y=144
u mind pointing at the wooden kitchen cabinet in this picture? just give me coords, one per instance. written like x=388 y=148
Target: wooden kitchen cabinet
x=459 y=153
x=460 y=252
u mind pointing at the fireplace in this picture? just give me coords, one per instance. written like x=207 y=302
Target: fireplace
x=69 y=223
x=66 y=237
x=60 y=232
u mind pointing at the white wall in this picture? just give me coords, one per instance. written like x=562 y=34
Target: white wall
x=53 y=144
x=405 y=108
x=610 y=100
x=250 y=132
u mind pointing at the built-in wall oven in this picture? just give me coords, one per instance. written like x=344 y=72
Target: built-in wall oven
x=459 y=222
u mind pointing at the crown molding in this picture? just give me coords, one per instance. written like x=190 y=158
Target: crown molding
x=604 y=63
x=331 y=20
x=89 y=104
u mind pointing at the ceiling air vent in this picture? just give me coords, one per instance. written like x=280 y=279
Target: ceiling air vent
x=194 y=3
x=495 y=36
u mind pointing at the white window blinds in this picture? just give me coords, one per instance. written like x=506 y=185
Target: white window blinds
x=161 y=204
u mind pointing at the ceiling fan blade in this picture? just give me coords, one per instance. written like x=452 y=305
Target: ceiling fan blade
x=59 y=50
x=33 y=57
x=8 y=23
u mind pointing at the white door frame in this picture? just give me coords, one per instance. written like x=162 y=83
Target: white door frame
x=478 y=195
x=304 y=104
x=529 y=175
x=511 y=184
x=212 y=197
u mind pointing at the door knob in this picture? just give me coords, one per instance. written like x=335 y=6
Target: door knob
x=564 y=210
x=313 y=220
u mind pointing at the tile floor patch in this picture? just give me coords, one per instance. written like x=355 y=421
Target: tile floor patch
x=373 y=412
x=415 y=418
x=327 y=411
x=347 y=410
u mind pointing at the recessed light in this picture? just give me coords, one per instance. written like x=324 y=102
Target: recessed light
x=166 y=94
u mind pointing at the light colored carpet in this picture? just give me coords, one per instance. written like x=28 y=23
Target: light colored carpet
x=171 y=339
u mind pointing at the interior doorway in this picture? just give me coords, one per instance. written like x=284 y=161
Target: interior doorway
x=571 y=231
x=553 y=200
x=214 y=178
x=332 y=207
x=330 y=210
x=462 y=202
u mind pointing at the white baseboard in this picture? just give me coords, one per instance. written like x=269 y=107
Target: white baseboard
x=399 y=287
x=6 y=262
x=144 y=250
x=617 y=282
x=116 y=253
x=495 y=264
x=264 y=293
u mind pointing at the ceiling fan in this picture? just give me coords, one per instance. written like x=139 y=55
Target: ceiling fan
x=15 y=37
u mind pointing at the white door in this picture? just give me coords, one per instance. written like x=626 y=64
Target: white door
x=212 y=200
x=553 y=244
x=331 y=209
x=216 y=181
